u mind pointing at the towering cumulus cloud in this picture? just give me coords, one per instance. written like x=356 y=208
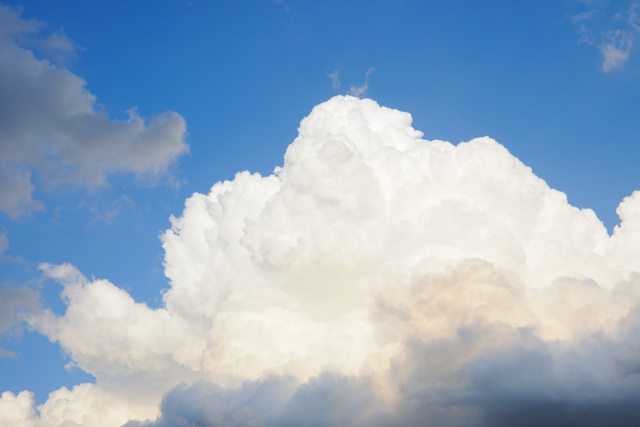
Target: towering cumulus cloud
x=375 y=279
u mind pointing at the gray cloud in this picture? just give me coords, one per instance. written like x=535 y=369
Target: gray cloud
x=326 y=400
x=4 y=242
x=51 y=126
x=15 y=302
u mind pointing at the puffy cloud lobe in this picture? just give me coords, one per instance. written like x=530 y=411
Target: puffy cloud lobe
x=130 y=347
x=84 y=405
x=50 y=125
x=375 y=279
x=17 y=410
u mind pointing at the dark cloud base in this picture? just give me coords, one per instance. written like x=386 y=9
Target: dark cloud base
x=525 y=382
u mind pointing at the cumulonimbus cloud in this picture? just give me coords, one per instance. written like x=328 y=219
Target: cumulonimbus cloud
x=375 y=279
x=51 y=126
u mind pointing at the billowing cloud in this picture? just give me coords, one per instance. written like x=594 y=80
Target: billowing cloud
x=51 y=126
x=375 y=279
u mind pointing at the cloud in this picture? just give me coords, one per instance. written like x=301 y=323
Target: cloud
x=15 y=303
x=4 y=242
x=613 y=29
x=83 y=405
x=335 y=79
x=361 y=90
x=327 y=400
x=374 y=279
x=52 y=127
x=17 y=410
x=615 y=49
x=108 y=212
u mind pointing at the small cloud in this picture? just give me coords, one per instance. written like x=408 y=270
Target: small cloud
x=615 y=49
x=615 y=28
x=59 y=47
x=106 y=214
x=7 y=354
x=633 y=19
x=59 y=41
x=581 y=21
x=284 y=4
x=361 y=90
x=335 y=80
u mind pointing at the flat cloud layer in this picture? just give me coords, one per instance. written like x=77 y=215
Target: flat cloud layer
x=50 y=124
x=375 y=279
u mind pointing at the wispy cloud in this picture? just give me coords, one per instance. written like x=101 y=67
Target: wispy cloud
x=614 y=28
x=361 y=90
x=106 y=213
x=335 y=80
x=615 y=48
x=52 y=127
x=284 y=4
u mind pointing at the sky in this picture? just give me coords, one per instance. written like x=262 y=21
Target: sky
x=280 y=213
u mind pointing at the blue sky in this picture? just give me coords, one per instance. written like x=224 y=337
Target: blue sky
x=556 y=82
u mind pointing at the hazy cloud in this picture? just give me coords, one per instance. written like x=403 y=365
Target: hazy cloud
x=361 y=90
x=613 y=29
x=4 y=242
x=615 y=49
x=374 y=279
x=107 y=212
x=14 y=301
x=335 y=80
x=15 y=304
x=51 y=126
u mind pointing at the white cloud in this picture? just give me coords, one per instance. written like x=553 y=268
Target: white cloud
x=375 y=279
x=84 y=405
x=17 y=410
x=52 y=127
